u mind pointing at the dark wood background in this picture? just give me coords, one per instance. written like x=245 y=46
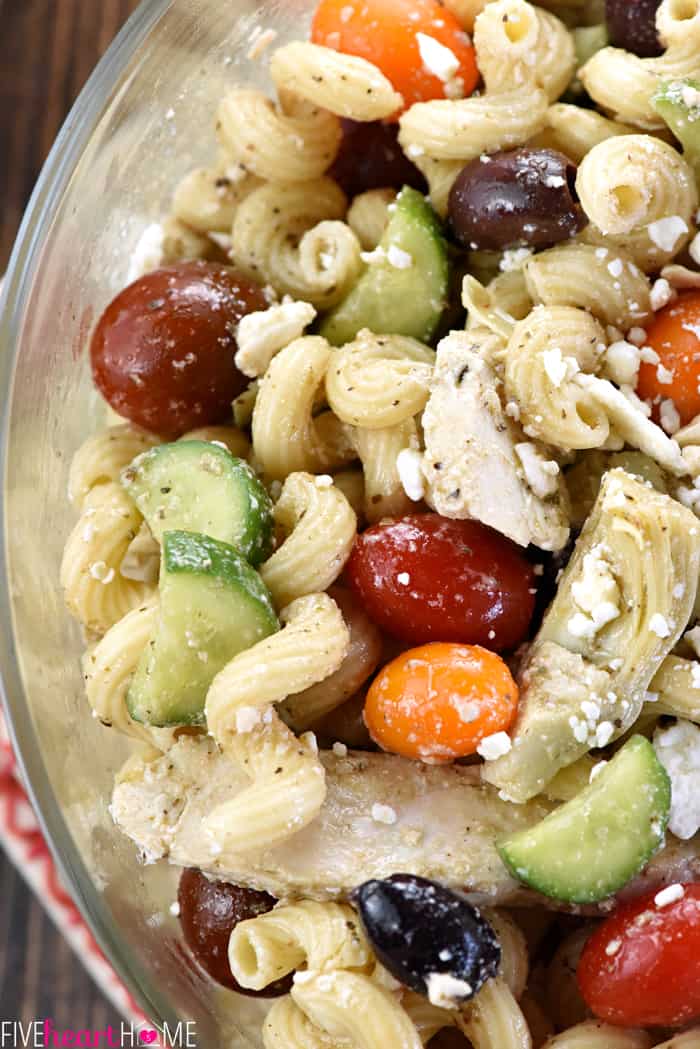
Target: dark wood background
x=47 y=50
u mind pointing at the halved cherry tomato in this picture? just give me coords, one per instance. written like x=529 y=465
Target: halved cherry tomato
x=641 y=967
x=675 y=335
x=162 y=352
x=384 y=32
x=427 y=578
x=438 y=702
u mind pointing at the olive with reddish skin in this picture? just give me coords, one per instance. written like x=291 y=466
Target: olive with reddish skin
x=162 y=353
x=209 y=911
x=517 y=197
x=427 y=578
x=632 y=26
x=370 y=157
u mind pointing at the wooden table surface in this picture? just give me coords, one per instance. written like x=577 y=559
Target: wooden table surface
x=47 y=50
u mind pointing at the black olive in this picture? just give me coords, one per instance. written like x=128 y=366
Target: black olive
x=370 y=157
x=632 y=26
x=419 y=928
x=518 y=197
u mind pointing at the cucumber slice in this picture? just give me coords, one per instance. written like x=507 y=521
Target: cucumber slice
x=393 y=301
x=197 y=486
x=592 y=846
x=213 y=605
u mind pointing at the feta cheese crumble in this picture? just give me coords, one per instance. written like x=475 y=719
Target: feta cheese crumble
x=148 y=253
x=666 y=232
x=496 y=746
x=671 y=894
x=437 y=59
x=596 y=594
x=541 y=474
x=247 y=718
x=383 y=814
x=678 y=750
x=622 y=362
x=446 y=991
x=400 y=260
x=340 y=750
x=409 y=464
x=661 y=294
x=261 y=335
x=658 y=625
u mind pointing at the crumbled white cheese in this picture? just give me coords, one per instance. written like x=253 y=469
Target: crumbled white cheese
x=559 y=368
x=658 y=625
x=669 y=416
x=649 y=356
x=340 y=750
x=604 y=733
x=661 y=294
x=409 y=464
x=678 y=750
x=403 y=578
x=175 y=909
x=514 y=259
x=615 y=268
x=148 y=253
x=541 y=474
x=400 y=260
x=446 y=991
x=666 y=233
x=437 y=59
x=373 y=257
x=495 y=746
x=261 y=335
x=596 y=594
x=690 y=96
x=664 y=376
x=383 y=814
x=247 y=718
x=622 y=360
x=100 y=571
x=613 y=947
x=671 y=894
x=637 y=336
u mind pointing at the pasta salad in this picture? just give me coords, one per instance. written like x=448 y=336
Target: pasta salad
x=388 y=562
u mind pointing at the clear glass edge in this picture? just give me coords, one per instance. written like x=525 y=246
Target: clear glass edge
x=44 y=203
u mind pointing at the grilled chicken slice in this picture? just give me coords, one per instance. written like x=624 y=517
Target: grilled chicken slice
x=446 y=823
x=471 y=464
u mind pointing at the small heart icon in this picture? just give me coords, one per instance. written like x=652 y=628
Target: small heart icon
x=148 y=1037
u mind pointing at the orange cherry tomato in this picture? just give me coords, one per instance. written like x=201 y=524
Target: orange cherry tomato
x=384 y=32
x=438 y=702
x=675 y=335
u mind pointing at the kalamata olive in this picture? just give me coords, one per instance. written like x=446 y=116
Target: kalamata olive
x=430 y=938
x=209 y=911
x=162 y=353
x=632 y=26
x=518 y=197
x=370 y=157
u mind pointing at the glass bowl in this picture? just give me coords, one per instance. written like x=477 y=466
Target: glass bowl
x=145 y=118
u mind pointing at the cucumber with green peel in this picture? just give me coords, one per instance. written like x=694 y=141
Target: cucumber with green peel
x=591 y=846
x=198 y=486
x=404 y=292
x=213 y=605
x=677 y=102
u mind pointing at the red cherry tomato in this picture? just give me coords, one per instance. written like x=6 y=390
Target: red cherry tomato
x=641 y=967
x=426 y=578
x=209 y=911
x=162 y=353
x=675 y=335
x=384 y=32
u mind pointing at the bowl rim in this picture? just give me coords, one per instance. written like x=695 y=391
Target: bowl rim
x=45 y=201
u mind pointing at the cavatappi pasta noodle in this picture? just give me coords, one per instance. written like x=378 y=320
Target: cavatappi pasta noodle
x=490 y=356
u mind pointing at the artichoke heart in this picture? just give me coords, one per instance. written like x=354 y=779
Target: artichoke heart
x=622 y=603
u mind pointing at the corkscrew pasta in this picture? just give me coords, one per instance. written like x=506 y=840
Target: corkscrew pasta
x=433 y=304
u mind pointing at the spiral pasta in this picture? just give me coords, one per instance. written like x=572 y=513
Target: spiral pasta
x=95 y=591
x=109 y=666
x=295 y=144
x=206 y=198
x=368 y=216
x=515 y=964
x=103 y=456
x=342 y=84
x=516 y=41
x=288 y=787
x=348 y=1005
x=544 y=353
x=439 y=174
x=320 y=527
x=463 y=130
x=497 y=306
x=365 y=649
x=605 y=282
x=287 y=1027
x=594 y=1034
x=319 y=937
x=285 y=433
x=378 y=451
x=379 y=381
x=640 y=195
x=230 y=436
x=274 y=238
x=575 y=131
x=624 y=84
x=494 y=1019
